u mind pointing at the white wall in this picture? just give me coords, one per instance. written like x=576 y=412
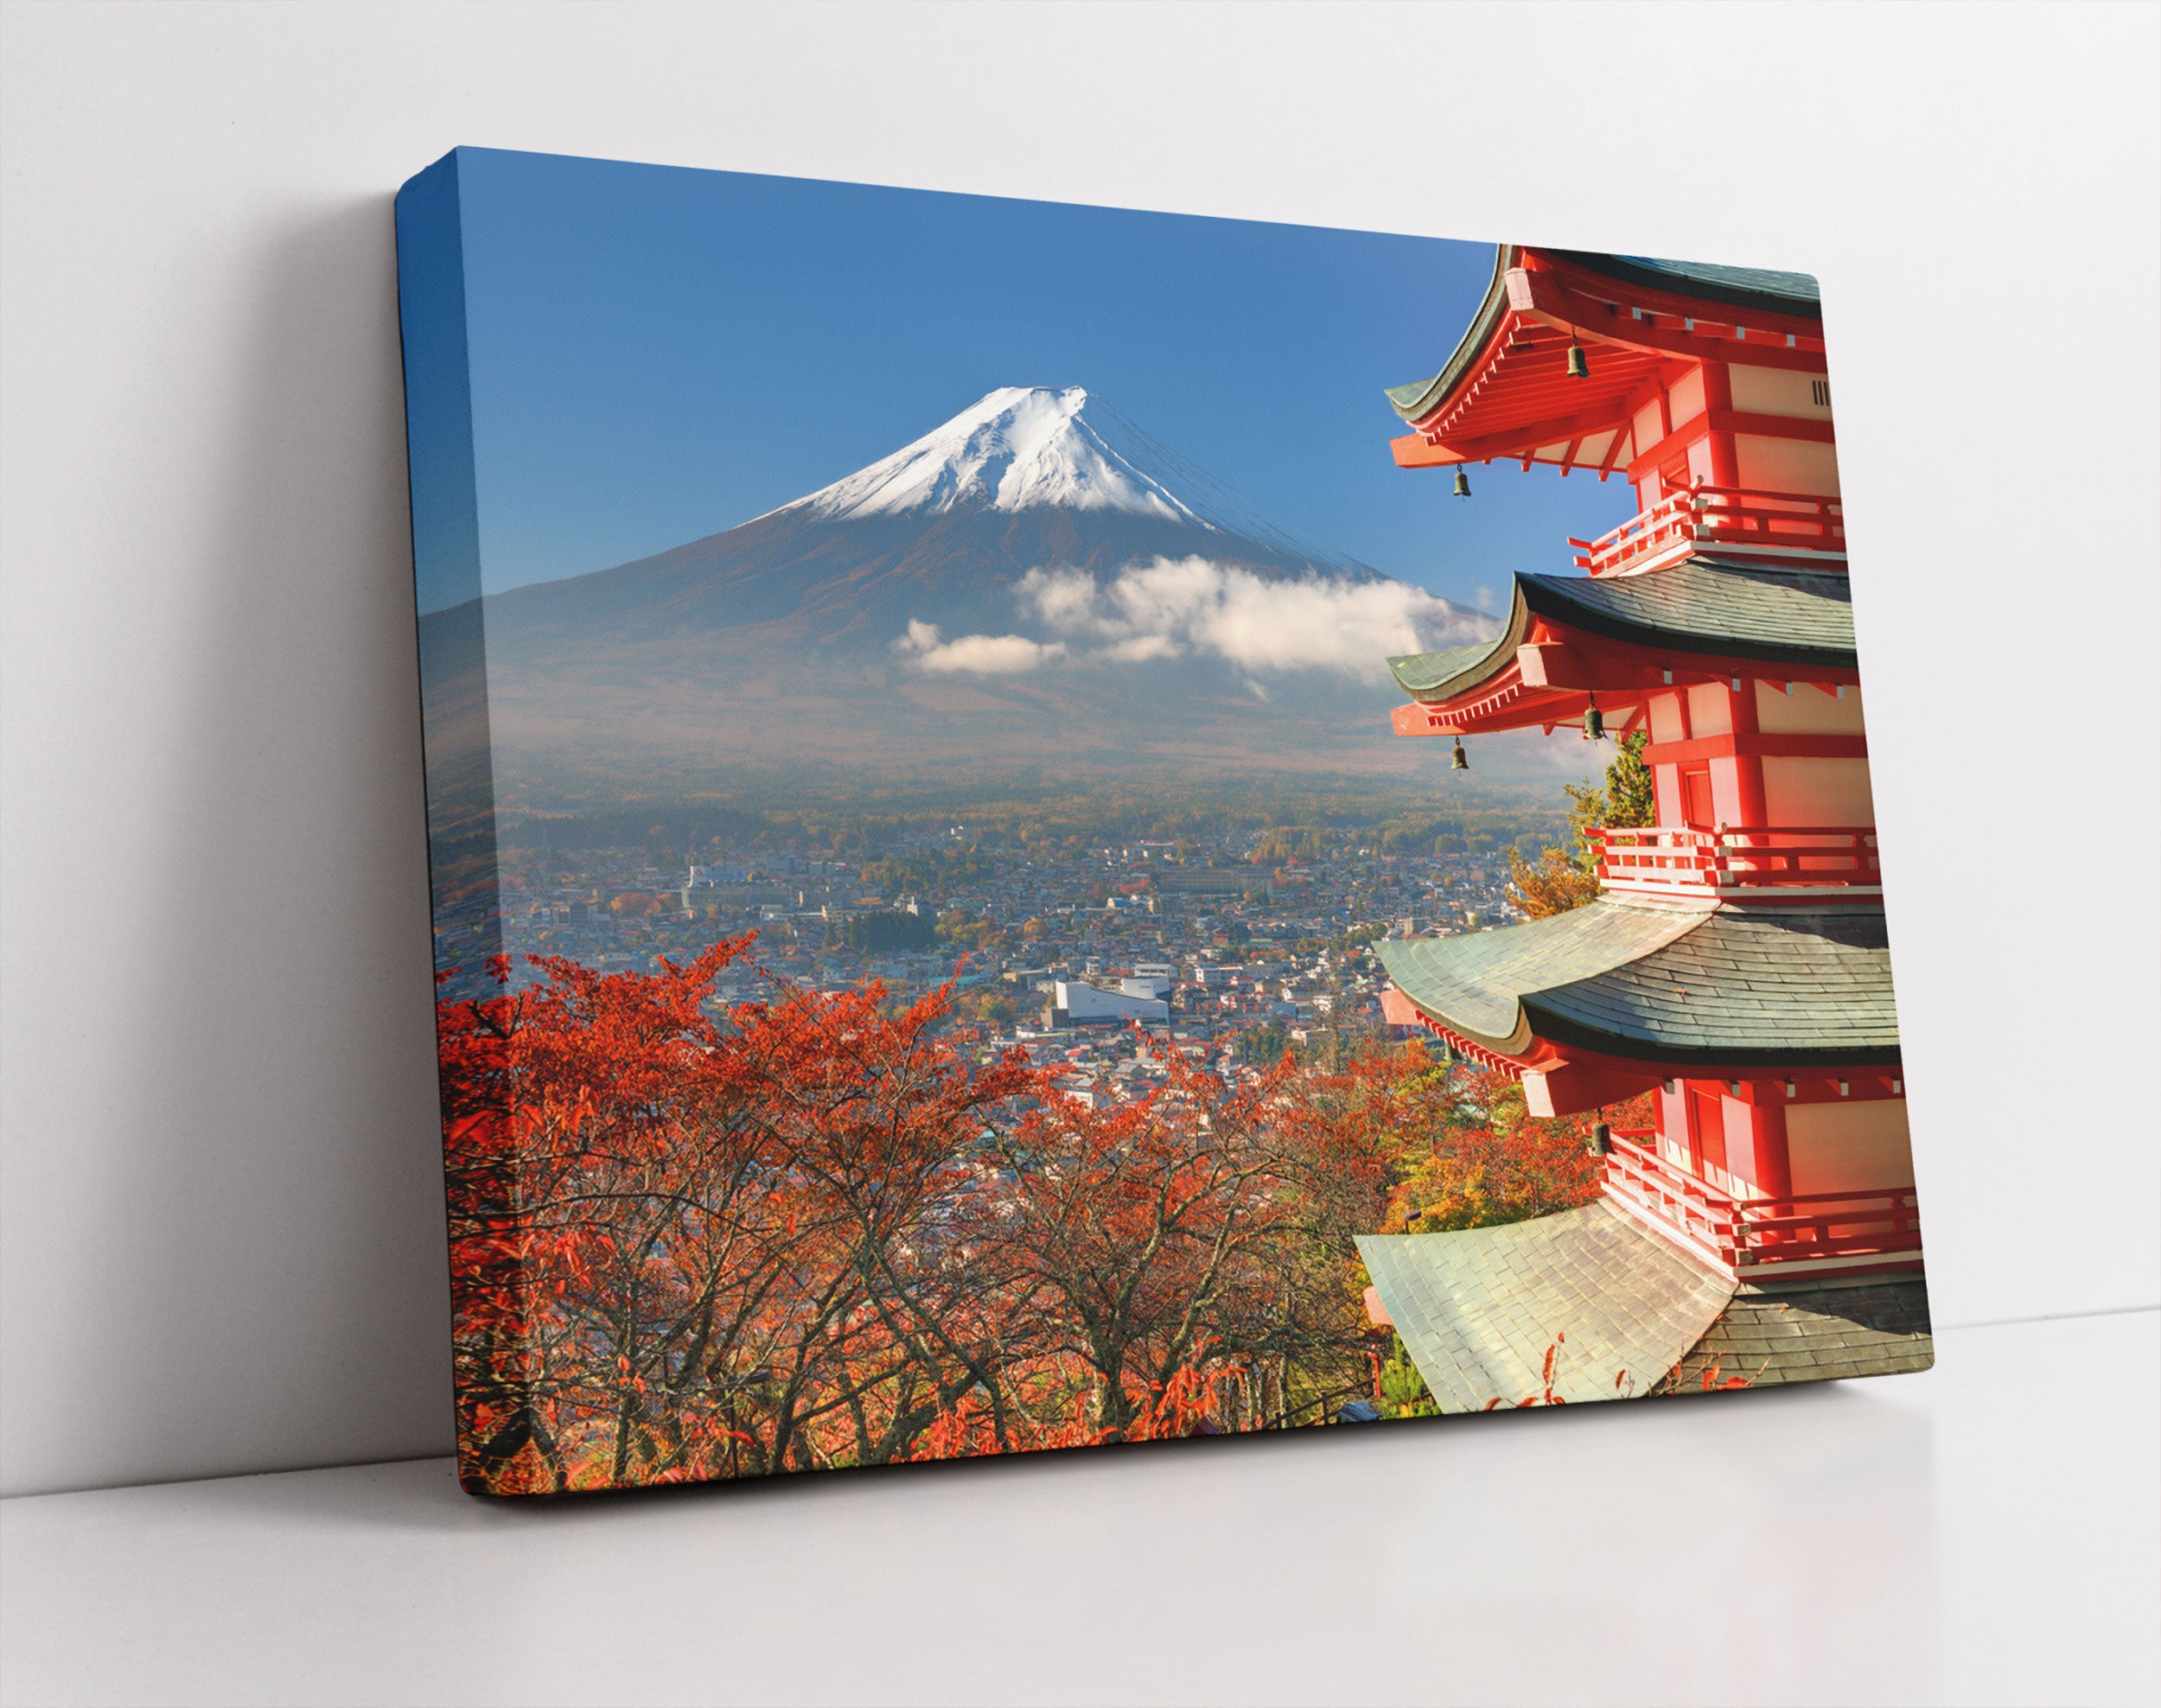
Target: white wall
x=222 y=1231
x=1818 y=791
x=1865 y=1146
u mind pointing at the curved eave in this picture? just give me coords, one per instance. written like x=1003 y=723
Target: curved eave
x=1729 y=615
x=1725 y=609
x=1417 y=401
x=1437 y=677
x=1730 y=987
x=1474 y=985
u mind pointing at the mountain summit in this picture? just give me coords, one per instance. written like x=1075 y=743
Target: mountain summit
x=1031 y=448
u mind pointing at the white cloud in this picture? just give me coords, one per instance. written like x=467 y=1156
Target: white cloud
x=1137 y=649
x=974 y=654
x=1172 y=607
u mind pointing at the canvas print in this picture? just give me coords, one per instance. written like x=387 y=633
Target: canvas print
x=1036 y=843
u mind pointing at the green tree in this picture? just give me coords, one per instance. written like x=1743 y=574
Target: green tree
x=1403 y=1391
x=1631 y=792
x=1565 y=878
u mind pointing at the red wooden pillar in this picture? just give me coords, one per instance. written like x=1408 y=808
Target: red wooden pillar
x=1771 y=1162
x=1748 y=767
x=1717 y=395
x=1767 y=1134
x=1706 y=1127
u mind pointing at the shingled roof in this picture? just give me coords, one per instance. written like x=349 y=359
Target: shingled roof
x=1811 y=1330
x=1708 y=604
x=1624 y=1313
x=1760 y=288
x=1772 y=987
x=1478 y=1310
x=1704 y=604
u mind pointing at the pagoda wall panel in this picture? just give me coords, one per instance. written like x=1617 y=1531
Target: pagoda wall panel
x=1685 y=398
x=1806 y=712
x=1798 y=792
x=1649 y=425
x=1777 y=390
x=1756 y=1149
x=1802 y=466
x=1849 y=1147
x=1729 y=790
x=1700 y=463
x=1672 y=809
x=1709 y=713
x=1737 y=1144
x=1673 y=1123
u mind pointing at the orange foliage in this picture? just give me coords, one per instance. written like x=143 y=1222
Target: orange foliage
x=821 y=1234
x=1555 y=885
x=830 y=1229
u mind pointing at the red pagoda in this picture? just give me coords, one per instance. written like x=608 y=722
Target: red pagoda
x=1735 y=961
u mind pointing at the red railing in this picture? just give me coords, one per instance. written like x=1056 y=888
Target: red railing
x=1716 y=516
x=1740 y=1233
x=1679 y=859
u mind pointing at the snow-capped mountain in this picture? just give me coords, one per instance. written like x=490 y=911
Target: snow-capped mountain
x=1037 y=585
x=1030 y=447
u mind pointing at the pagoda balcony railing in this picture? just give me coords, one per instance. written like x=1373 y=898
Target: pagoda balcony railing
x=1678 y=860
x=1727 y=517
x=1836 y=1230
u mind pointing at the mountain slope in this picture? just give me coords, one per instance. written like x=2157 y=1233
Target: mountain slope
x=1136 y=612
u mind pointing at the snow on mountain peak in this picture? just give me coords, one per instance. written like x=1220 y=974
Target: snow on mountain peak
x=1026 y=447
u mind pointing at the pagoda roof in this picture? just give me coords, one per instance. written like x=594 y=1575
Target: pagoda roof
x=1719 y=987
x=1479 y=1309
x=1814 y=1330
x=1734 y=287
x=1749 y=287
x=1727 y=608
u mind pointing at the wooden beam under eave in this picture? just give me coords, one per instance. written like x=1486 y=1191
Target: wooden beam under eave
x=1782 y=745
x=1542 y=297
x=1411 y=451
x=1570 y=660
x=1552 y=664
x=1525 y=438
x=1572 y=1087
x=1417 y=718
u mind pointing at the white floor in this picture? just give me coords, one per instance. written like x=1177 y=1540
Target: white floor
x=1988 y=1532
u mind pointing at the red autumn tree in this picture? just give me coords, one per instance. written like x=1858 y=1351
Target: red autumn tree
x=826 y=1229
x=1160 y=1238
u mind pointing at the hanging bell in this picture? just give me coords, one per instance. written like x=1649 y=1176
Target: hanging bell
x=1463 y=484
x=1459 y=761
x=1578 y=367
x=1594 y=722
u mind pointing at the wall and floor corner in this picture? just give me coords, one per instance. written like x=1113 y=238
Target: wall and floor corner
x=222 y=1206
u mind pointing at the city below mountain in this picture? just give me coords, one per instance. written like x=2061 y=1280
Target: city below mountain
x=1035 y=592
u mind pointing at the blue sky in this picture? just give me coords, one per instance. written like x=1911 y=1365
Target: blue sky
x=659 y=354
